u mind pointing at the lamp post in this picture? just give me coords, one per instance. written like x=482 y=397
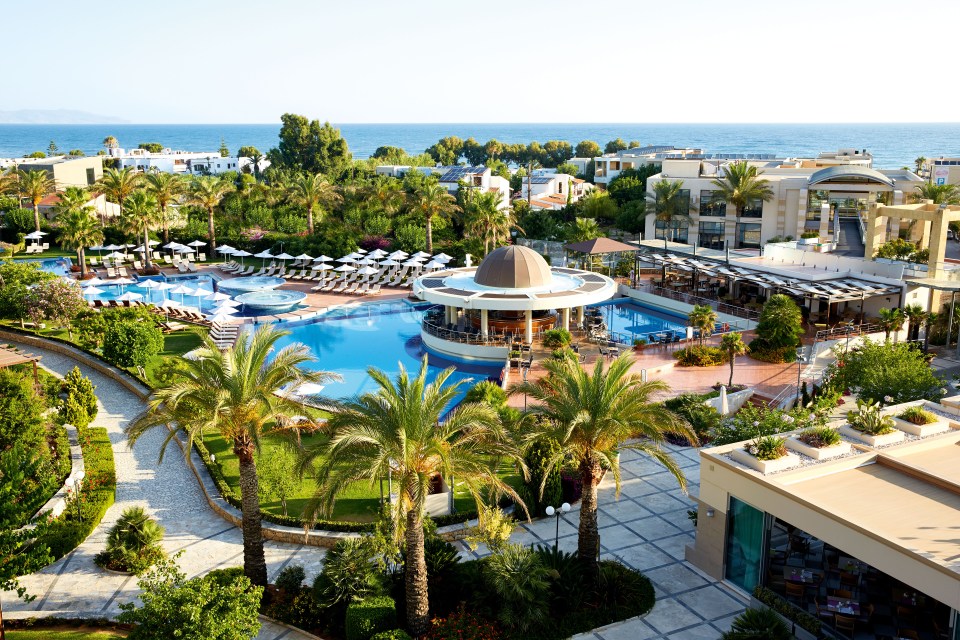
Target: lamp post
x=558 y=512
x=799 y=369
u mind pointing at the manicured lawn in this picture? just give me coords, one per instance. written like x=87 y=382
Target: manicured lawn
x=174 y=346
x=360 y=503
x=54 y=633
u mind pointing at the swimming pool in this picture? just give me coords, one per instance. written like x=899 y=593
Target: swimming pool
x=347 y=340
x=59 y=266
x=632 y=320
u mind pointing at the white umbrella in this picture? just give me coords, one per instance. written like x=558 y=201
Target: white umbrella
x=116 y=254
x=153 y=243
x=93 y=291
x=183 y=290
x=398 y=253
x=218 y=296
x=433 y=264
x=222 y=315
x=442 y=257
x=171 y=245
x=225 y=248
x=264 y=254
x=304 y=256
x=197 y=243
x=323 y=266
x=130 y=295
x=284 y=256
x=724 y=403
x=169 y=304
x=122 y=282
x=366 y=261
x=368 y=271
x=389 y=263
x=195 y=354
x=92 y=282
x=421 y=254
x=412 y=263
x=323 y=258
x=417 y=258
x=163 y=286
x=150 y=284
x=240 y=253
x=185 y=249
x=377 y=253
x=347 y=258
x=200 y=292
x=361 y=251
x=112 y=247
x=36 y=235
x=345 y=268
x=227 y=303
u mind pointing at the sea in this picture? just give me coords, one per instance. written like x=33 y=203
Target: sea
x=892 y=145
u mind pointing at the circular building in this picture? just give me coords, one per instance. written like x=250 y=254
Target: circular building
x=513 y=294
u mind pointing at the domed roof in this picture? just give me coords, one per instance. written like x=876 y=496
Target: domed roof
x=513 y=267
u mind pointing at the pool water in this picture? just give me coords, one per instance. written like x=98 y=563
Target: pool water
x=632 y=320
x=347 y=340
x=59 y=266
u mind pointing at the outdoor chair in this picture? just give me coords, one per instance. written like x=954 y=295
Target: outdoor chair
x=796 y=591
x=123 y=272
x=845 y=624
x=374 y=290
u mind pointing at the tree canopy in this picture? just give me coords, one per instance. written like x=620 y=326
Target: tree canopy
x=306 y=145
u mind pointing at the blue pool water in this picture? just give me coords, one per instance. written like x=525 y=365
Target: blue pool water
x=632 y=320
x=59 y=266
x=382 y=335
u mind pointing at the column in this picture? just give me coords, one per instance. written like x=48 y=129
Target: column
x=565 y=318
x=582 y=315
x=876 y=229
x=484 y=322
x=528 y=326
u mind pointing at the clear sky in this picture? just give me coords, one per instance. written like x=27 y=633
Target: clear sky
x=248 y=61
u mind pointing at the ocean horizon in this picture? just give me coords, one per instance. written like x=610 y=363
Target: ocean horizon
x=893 y=145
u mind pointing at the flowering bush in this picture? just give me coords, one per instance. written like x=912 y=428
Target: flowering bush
x=867 y=418
x=253 y=234
x=752 y=422
x=820 y=437
x=463 y=626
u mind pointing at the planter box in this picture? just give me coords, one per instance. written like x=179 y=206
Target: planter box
x=922 y=430
x=824 y=453
x=808 y=240
x=765 y=466
x=873 y=441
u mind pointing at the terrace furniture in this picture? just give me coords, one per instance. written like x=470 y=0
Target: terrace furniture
x=111 y=272
x=340 y=288
x=795 y=591
x=167 y=260
x=845 y=624
x=352 y=288
x=374 y=290
x=123 y=272
x=202 y=257
x=192 y=268
x=840 y=594
x=157 y=256
x=182 y=267
x=137 y=265
x=362 y=289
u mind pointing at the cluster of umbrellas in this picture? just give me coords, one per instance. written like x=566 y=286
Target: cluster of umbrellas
x=172 y=246
x=36 y=236
x=366 y=263
x=224 y=306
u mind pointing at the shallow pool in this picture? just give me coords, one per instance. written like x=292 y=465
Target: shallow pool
x=383 y=335
x=59 y=266
x=632 y=320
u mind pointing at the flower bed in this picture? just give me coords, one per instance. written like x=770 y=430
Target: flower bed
x=819 y=443
x=917 y=421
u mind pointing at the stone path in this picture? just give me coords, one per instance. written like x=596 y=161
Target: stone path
x=647 y=528
x=75 y=587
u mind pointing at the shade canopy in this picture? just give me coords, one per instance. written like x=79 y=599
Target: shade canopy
x=513 y=267
x=304 y=256
x=225 y=249
x=284 y=256
x=93 y=291
x=130 y=295
x=240 y=253
x=599 y=246
x=197 y=243
x=263 y=254
x=345 y=267
x=149 y=284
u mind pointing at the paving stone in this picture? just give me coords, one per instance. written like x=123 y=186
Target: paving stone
x=669 y=615
x=676 y=578
x=617 y=537
x=653 y=528
x=711 y=602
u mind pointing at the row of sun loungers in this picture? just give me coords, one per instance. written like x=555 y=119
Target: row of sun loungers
x=354 y=288
x=224 y=335
x=37 y=248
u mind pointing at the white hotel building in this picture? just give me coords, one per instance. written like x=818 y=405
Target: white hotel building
x=183 y=162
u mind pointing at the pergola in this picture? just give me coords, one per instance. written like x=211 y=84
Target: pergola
x=10 y=357
x=600 y=247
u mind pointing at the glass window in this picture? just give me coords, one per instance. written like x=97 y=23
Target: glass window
x=815 y=201
x=711 y=235
x=712 y=204
x=683 y=201
x=754 y=208
x=678 y=231
x=91 y=176
x=748 y=236
x=744 y=552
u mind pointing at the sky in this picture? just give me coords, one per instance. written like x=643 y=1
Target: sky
x=244 y=61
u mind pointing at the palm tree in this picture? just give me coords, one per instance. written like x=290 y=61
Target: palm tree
x=593 y=416
x=166 y=188
x=79 y=228
x=915 y=315
x=488 y=220
x=891 y=321
x=313 y=191
x=939 y=193
x=387 y=194
x=35 y=185
x=141 y=215
x=10 y=181
x=918 y=163
x=704 y=319
x=134 y=531
x=207 y=192
x=401 y=431
x=240 y=394
x=110 y=142
x=742 y=183
x=118 y=184
x=732 y=344
x=583 y=229
x=433 y=200
x=669 y=204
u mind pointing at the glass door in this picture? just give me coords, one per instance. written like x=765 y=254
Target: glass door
x=745 y=545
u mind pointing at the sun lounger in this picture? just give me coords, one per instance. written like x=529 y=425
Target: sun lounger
x=123 y=272
x=374 y=290
x=362 y=290
x=351 y=288
x=340 y=288
x=192 y=268
x=137 y=265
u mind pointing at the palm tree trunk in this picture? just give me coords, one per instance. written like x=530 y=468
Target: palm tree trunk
x=146 y=249
x=36 y=215
x=310 y=220
x=429 y=234
x=732 y=359
x=211 y=234
x=254 y=563
x=166 y=225
x=418 y=602
x=81 y=255
x=588 y=535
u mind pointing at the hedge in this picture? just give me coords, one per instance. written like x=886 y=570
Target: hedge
x=393 y=634
x=370 y=616
x=796 y=615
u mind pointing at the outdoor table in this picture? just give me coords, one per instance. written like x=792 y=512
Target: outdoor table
x=803 y=576
x=843 y=607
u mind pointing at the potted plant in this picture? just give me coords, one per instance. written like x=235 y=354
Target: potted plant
x=819 y=443
x=639 y=344
x=869 y=425
x=918 y=421
x=766 y=454
x=809 y=237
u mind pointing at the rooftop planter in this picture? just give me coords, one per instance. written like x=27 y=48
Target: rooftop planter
x=819 y=443
x=917 y=421
x=869 y=425
x=767 y=454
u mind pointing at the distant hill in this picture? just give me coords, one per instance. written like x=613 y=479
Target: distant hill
x=56 y=116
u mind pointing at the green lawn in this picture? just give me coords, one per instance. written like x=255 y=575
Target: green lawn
x=358 y=504
x=52 y=633
x=174 y=346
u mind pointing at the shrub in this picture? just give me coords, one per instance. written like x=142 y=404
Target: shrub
x=779 y=326
x=131 y=344
x=918 y=415
x=876 y=370
x=624 y=592
x=393 y=634
x=71 y=412
x=787 y=610
x=703 y=418
x=133 y=543
x=758 y=351
x=487 y=392
x=77 y=385
x=520 y=582
x=20 y=411
x=348 y=574
x=810 y=234
x=868 y=418
x=700 y=356
x=567 y=579
x=370 y=616
x=225 y=576
x=768 y=447
x=556 y=338
x=291 y=578
x=462 y=626
x=537 y=459
x=758 y=624
x=564 y=352
x=820 y=437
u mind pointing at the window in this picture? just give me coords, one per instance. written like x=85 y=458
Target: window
x=683 y=201
x=748 y=236
x=712 y=204
x=754 y=208
x=677 y=231
x=559 y=186
x=744 y=552
x=711 y=235
x=91 y=176
x=815 y=201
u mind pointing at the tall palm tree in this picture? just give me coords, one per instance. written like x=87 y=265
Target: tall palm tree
x=118 y=184
x=141 y=215
x=915 y=315
x=207 y=192
x=918 y=163
x=891 y=321
x=742 y=183
x=583 y=229
x=433 y=200
x=939 y=193
x=704 y=319
x=732 y=344
x=488 y=221
x=387 y=195
x=10 y=181
x=166 y=188
x=400 y=430
x=241 y=394
x=593 y=415
x=313 y=191
x=110 y=142
x=668 y=204
x=79 y=227
x=35 y=185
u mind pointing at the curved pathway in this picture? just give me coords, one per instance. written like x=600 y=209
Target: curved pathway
x=75 y=587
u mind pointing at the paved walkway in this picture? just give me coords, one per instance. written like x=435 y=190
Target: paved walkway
x=75 y=587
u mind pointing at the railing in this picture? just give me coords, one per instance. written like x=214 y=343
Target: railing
x=846 y=331
x=716 y=305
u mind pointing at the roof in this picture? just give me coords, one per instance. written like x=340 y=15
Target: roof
x=513 y=267
x=847 y=173
x=10 y=357
x=458 y=173
x=600 y=245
